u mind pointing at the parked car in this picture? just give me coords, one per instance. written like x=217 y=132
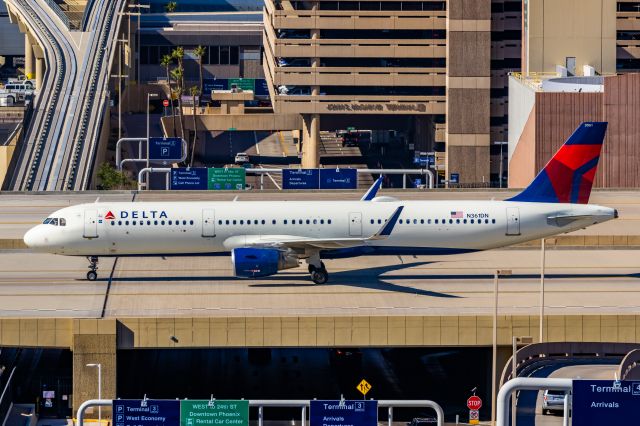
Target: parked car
x=241 y=158
x=5 y=100
x=18 y=92
x=552 y=401
x=22 y=80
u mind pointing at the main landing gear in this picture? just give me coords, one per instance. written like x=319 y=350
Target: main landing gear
x=92 y=275
x=318 y=272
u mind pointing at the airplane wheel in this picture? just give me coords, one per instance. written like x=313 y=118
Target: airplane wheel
x=92 y=275
x=320 y=276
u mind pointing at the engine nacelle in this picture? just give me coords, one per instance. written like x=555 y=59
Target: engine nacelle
x=261 y=262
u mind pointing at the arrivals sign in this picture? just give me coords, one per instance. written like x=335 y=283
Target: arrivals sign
x=128 y=412
x=344 y=413
x=214 y=412
x=605 y=402
x=227 y=179
x=165 y=149
x=300 y=179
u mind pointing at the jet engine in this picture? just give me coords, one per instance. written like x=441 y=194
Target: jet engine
x=261 y=262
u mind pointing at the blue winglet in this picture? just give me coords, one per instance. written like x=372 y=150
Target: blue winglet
x=373 y=191
x=391 y=223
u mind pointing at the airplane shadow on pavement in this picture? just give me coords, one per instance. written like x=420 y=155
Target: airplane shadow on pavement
x=368 y=278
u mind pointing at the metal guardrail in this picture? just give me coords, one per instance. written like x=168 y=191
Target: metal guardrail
x=303 y=404
x=527 y=383
x=544 y=351
x=58 y=11
x=628 y=364
x=5 y=398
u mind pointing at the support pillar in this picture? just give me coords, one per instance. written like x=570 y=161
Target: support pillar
x=29 y=57
x=94 y=342
x=310 y=141
x=468 y=91
x=39 y=72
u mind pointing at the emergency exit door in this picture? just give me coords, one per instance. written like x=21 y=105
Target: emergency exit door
x=208 y=223
x=355 y=224
x=513 y=221
x=90 y=224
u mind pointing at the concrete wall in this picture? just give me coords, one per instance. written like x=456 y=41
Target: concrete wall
x=557 y=29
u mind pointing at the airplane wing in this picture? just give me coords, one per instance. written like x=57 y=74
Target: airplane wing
x=297 y=242
x=371 y=193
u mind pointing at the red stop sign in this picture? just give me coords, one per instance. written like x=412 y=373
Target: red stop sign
x=165 y=103
x=474 y=403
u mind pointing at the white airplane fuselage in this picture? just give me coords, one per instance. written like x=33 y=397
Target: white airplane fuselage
x=210 y=228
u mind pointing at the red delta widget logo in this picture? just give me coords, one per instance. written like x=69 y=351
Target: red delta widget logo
x=138 y=214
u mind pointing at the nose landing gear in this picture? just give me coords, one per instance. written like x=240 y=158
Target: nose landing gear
x=92 y=275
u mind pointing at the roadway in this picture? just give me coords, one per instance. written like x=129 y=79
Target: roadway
x=579 y=282
x=62 y=140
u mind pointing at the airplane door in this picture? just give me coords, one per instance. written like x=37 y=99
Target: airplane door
x=208 y=223
x=90 y=224
x=513 y=221
x=355 y=224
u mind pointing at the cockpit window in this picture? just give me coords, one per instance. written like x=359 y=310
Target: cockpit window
x=55 y=221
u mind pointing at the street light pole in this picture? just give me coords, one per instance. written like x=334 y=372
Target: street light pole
x=99 y=366
x=494 y=360
x=542 y=266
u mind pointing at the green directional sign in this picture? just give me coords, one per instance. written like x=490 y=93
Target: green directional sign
x=215 y=413
x=243 y=83
x=231 y=178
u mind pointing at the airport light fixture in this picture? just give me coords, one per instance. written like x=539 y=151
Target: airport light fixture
x=499 y=273
x=99 y=367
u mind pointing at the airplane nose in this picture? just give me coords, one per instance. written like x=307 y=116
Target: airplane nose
x=33 y=238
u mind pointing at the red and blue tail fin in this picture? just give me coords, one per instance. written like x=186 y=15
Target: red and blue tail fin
x=568 y=176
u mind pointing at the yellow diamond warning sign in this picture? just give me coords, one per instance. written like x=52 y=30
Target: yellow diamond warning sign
x=364 y=387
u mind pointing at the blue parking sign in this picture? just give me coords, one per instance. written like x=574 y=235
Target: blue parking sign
x=150 y=412
x=165 y=149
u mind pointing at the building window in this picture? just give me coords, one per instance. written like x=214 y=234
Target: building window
x=234 y=55
x=224 y=55
x=214 y=55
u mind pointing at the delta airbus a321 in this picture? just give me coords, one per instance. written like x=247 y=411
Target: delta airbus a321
x=264 y=237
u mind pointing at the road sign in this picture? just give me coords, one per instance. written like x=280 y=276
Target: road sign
x=215 y=412
x=165 y=103
x=194 y=178
x=165 y=150
x=474 y=417
x=605 y=402
x=211 y=84
x=243 y=83
x=232 y=178
x=338 y=178
x=474 y=403
x=300 y=179
x=344 y=413
x=364 y=387
x=455 y=178
x=134 y=412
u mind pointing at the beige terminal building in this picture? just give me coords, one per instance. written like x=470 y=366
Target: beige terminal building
x=580 y=63
x=435 y=68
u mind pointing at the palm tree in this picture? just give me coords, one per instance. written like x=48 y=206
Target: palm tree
x=200 y=51
x=166 y=62
x=178 y=54
x=171 y=6
x=178 y=75
x=194 y=91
